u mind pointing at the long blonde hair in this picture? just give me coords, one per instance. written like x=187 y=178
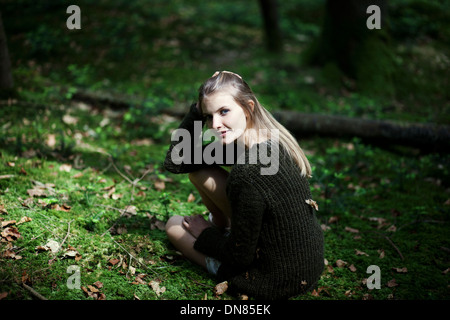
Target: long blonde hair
x=257 y=116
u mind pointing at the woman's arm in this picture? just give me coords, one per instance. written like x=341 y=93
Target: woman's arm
x=180 y=156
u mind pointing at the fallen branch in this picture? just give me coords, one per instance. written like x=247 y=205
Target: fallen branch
x=426 y=136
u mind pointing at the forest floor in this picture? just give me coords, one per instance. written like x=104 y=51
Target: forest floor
x=82 y=187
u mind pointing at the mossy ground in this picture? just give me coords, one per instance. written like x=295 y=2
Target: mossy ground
x=387 y=207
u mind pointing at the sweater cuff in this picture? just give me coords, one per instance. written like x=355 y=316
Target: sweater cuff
x=209 y=241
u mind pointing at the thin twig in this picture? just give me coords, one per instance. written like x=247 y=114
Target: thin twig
x=34 y=292
x=131 y=256
x=64 y=240
x=393 y=245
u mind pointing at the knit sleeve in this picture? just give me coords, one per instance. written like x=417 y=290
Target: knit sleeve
x=239 y=248
x=185 y=143
x=187 y=152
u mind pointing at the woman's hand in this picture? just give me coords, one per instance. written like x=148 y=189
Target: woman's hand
x=195 y=225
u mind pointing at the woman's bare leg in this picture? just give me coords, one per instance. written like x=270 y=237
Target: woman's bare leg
x=210 y=183
x=183 y=240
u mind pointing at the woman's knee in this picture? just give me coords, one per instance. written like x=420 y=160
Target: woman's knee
x=174 y=226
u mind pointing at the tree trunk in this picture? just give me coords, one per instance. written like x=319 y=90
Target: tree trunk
x=6 y=81
x=269 y=11
x=359 y=52
x=427 y=137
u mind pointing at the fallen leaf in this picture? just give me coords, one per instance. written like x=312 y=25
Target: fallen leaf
x=92 y=288
x=351 y=230
x=3 y=295
x=360 y=253
x=10 y=233
x=160 y=185
x=24 y=219
x=312 y=203
x=65 y=167
x=315 y=293
x=191 y=198
x=382 y=254
x=68 y=119
x=130 y=209
x=333 y=219
x=53 y=246
x=37 y=192
x=400 y=270
x=51 y=140
x=140 y=279
x=340 y=263
x=392 y=228
x=392 y=283
x=220 y=288
x=57 y=207
x=2 y=209
x=7 y=223
x=114 y=261
x=11 y=255
x=155 y=286
x=352 y=268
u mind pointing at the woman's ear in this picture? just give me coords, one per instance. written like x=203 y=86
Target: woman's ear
x=251 y=104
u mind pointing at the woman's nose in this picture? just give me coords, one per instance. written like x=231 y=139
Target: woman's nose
x=216 y=123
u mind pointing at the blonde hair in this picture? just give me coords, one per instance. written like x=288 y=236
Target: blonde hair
x=257 y=116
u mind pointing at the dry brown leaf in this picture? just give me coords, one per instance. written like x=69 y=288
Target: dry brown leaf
x=351 y=230
x=24 y=219
x=37 y=192
x=312 y=203
x=10 y=255
x=333 y=219
x=382 y=254
x=155 y=286
x=191 y=198
x=160 y=185
x=65 y=167
x=352 y=268
x=392 y=283
x=114 y=261
x=360 y=253
x=392 y=228
x=7 y=223
x=340 y=263
x=2 y=209
x=10 y=233
x=220 y=288
x=400 y=270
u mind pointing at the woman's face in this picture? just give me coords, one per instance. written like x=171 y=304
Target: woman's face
x=225 y=116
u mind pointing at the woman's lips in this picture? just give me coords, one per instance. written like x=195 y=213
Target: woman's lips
x=223 y=133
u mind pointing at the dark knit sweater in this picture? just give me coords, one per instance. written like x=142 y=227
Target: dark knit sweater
x=275 y=248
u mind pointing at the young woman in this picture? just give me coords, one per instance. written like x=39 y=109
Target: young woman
x=261 y=236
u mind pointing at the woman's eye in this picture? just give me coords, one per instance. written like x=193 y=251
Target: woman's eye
x=224 y=112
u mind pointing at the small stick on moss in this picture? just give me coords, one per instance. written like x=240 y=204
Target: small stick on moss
x=34 y=292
